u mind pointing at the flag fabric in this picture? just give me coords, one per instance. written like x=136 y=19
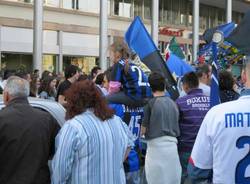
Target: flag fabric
x=177 y=66
x=240 y=38
x=175 y=59
x=226 y=29
x=214 y=93
x=139 y=41
x=175 y=48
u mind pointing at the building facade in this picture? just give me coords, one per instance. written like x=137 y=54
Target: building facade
x=71 y=28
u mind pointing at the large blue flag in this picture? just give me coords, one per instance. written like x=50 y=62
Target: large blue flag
x=139 y=40
x=214 y=94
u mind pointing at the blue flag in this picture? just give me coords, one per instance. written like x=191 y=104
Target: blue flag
x=175 y=59
x=226 y=29
x=178 y=66
x=214 y=93
x=139 y=40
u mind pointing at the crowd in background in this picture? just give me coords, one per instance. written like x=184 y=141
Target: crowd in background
x=169 y=127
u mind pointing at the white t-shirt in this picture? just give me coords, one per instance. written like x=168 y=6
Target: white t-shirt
x=223 y=142
x=205 y=88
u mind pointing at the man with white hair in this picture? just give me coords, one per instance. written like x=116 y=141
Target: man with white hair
x=26 y=137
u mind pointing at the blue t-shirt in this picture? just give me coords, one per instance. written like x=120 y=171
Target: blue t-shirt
x=133 y=118
x=134 y=81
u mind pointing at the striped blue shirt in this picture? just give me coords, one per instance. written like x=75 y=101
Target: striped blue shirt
x=89 y=151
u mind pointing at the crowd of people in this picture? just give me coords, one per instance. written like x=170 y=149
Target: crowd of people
x=109 y=112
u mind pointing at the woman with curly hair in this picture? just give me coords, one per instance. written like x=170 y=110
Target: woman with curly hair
x=47 y=89
x=93 y=143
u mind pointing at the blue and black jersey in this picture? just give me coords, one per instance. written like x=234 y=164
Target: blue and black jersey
x=133 y=118
x=134 y=81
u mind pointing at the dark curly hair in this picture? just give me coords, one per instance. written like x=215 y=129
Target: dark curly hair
x=84 y=95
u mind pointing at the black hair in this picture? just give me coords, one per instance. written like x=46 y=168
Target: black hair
x=205 y=68
x=99 y=78
x=22 y=74
x=157 y=81
x=107 y=73
x=226 y=80
x=83 y=77
x=45 y=74
x=8 y=73
x=191 y=79
x=36 y=71
x=45 y=85
x=70 y=71
x=94 y=71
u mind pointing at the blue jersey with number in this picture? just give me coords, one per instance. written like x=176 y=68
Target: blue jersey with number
x=133 y=118
x=134 y=81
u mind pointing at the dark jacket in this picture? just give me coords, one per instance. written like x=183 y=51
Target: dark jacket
x=228 y=95
x=27 y=138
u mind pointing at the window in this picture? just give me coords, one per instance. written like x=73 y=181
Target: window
x=190 y=13
x=17 y=61
x=127 y=8
x=89 y=6
x=138 y=7
x=67 y=4
x=221 y=16
x=28 y=1
x=147 y=9
x=167 y=11
x=183 y=12
x=123 y=8
x=204 y=17
x=118 y=7
x=85 y=63
x=161 y=10
x=71 y=4
x=49 y=63
x=53 y=3
x=212 y=17
x=176 y=12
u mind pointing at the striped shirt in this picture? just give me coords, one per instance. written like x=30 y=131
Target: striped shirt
x=89 y=151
